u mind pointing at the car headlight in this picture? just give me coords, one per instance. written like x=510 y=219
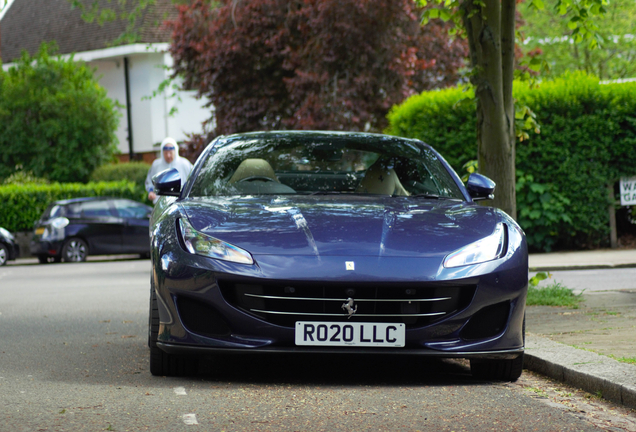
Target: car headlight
x=55 y=230
x=487 y=249
x=198 y=243
x=5 y=233
x=59 y=222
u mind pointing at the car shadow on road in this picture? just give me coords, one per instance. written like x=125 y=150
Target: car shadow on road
x=333 y=370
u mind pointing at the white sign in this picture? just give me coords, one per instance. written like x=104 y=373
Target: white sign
x=628 y=191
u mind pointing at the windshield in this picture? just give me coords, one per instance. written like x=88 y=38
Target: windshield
x=280 y=164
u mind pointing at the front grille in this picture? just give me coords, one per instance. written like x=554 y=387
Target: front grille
x=414 y=304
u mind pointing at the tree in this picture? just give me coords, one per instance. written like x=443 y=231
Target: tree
x=55 y=119
x=547 y=33
x=309 y=64
x=489 y=26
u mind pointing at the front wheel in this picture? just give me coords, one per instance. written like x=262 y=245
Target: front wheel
x=4 y=254
x=497 y=370
x=75 y=250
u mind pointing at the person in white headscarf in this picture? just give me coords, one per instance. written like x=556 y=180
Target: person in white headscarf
x=169 y=159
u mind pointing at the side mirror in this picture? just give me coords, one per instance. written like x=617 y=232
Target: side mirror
x=480 y=187
x=167 y=182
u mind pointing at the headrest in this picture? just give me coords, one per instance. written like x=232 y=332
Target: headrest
x=251 y=168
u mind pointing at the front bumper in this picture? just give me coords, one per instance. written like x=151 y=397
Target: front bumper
x=47 y=248
x=203 y=351
x=180 y=277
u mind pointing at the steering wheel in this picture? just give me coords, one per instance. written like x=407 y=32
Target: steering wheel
x=256 y=178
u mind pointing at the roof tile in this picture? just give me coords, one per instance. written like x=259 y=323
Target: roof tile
x=27 y=23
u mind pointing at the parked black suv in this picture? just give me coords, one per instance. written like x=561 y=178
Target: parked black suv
x=70 y=230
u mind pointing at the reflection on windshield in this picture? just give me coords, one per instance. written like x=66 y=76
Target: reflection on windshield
x=282 y=165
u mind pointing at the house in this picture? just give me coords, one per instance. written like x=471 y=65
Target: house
x=130 y=72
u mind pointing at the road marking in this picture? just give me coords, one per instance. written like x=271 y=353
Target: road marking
x=190 y=419
x=180 y=391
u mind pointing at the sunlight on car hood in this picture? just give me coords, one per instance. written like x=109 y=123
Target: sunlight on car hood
x=363 y=227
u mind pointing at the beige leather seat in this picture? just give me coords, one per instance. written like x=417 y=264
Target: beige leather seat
x=253 y=168
x=382 y=181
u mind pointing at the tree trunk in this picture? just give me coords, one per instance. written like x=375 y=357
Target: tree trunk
x=490 y=32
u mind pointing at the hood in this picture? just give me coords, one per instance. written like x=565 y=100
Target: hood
x=355 y=226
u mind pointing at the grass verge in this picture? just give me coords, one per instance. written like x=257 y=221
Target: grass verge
x=630 y=360
x=553 y=295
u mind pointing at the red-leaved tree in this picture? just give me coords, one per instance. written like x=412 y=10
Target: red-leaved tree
x=309 y=64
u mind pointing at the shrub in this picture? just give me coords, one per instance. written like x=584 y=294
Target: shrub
x=541 y=213
x=55 y=119
x=24 y=177
x=587 y=141
x=135 y=172
x=444 y=119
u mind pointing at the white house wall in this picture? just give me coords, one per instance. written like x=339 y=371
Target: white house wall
x=189 y=117
x=151 y=119
x=190 y=112
x=110 y=74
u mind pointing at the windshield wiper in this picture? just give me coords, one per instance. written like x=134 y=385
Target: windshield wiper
x=428 y=196
x=433 y=196
x=326 y=192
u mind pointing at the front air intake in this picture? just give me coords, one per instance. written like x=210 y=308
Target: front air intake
x=488 y=322
x=200 y=318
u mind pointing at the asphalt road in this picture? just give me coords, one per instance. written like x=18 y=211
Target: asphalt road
x=596 y=280
x=73 y=357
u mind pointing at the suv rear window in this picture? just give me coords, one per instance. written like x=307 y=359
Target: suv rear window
x=95 y=208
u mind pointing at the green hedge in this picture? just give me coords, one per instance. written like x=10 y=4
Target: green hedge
x=23 y=204
x=587 y=141
x=135 y=172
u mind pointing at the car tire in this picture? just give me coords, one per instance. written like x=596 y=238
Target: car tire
x=497 y=370
x=162 y=363
x=4 y=254
x=500 y=370
x=75 y=250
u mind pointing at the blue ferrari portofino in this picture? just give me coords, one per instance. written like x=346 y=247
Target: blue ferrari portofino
x=336 y=243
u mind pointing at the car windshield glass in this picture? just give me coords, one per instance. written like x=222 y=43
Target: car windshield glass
x=55 y=211
x=323 y=164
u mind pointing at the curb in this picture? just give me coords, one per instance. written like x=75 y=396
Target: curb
x=545 y=268
x=90 y=258
x=594 y=373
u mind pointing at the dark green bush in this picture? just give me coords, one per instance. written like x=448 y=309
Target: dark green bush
x=542 y=214
x=135 y=172
x=587 y=142
x=444 y=119
x=55 y=119
x=23 y=204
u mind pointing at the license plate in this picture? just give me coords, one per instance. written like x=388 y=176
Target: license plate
x=312 y=333
x=39 y=231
